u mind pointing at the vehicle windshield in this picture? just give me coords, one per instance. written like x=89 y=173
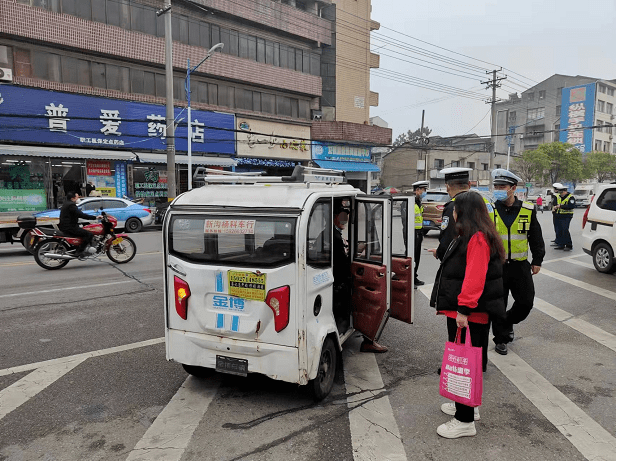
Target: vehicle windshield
x=246 y=241
x=436 y=197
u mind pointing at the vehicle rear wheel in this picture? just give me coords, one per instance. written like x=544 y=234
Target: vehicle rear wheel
x=322 y=384
x=122 y=252
x=28 y=241
x=198 y=372
x=133 y=225
x=603 y=258
x=50 y=246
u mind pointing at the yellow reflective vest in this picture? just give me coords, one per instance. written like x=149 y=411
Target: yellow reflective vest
x=418 y=210
x=563 y=201
x=514 y=238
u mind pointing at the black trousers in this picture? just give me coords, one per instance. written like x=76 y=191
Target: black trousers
x=518 y=281
x=419 y=237
x=479 y=338
x=562 y=223
x=81 y=233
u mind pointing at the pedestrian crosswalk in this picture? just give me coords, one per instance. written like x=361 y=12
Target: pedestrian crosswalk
x=374 y=424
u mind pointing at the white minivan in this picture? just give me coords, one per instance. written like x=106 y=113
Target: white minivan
x=249 y=279
x=599 y=228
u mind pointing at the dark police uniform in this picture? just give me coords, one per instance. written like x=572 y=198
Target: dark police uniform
x=563 y=216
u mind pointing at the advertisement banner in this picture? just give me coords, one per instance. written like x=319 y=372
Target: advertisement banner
x=340 y=152
x=98 y=168
x=261 y=139
x=51 y=117
x=23 y=200
x=120 y=178
x=577 y=109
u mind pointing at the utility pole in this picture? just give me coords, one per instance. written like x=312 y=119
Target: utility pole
x=494 y=84
x=169 y=96
x=423 y=150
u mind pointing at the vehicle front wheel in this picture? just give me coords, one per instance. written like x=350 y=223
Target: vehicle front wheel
x=122 y=252
x=603 y=258
x=322 y=384
x=133 y=225
x=50 y=246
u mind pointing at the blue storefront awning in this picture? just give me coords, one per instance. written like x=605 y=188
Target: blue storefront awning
x=347 y=166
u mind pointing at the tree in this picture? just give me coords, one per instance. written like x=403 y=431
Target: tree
x=531 y=165
x=600 y=166
x=410 y=136
x=565 y=162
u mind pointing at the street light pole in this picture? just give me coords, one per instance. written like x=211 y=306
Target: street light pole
x=189 y=71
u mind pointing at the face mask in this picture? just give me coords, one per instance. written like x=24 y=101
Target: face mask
x=423 y=194
x=500 y=195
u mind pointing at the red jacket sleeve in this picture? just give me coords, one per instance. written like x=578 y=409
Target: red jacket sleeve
x=478 y=256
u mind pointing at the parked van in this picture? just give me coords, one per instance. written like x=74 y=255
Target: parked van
x=249 y=274
x=583 y=193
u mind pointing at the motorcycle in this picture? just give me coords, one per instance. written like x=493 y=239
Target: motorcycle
x=55 y=249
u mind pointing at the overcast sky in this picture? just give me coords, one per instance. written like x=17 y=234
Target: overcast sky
x=534 y=38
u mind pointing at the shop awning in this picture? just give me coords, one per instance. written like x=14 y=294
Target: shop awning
x=347 y=166
x=64 y=152
x=184 y=160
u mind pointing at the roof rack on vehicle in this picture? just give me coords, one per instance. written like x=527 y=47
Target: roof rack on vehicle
x=301 y=174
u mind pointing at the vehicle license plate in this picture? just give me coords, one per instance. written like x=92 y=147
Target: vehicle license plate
x=117 y=240
x=426 y=223
x=232 y=366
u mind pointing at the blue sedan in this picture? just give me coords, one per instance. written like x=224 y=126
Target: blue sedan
x=131 y=216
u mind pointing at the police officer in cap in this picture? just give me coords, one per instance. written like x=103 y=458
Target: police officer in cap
x=457 y=182
x=419 y=188
x=520 y=231
x=563 y=210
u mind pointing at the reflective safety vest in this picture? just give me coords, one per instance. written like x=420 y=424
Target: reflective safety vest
x=563 y=201
x=418 y=210
x=514 y=238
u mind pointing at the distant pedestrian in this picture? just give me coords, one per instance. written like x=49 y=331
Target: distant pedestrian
x=539 y=204
x=564 y=211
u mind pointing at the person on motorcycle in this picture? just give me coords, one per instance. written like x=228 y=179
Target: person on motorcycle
x=69 y=217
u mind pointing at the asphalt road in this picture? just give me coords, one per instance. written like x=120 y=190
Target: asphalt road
x=83 y=376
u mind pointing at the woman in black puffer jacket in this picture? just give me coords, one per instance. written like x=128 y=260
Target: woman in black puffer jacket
x=468 y=290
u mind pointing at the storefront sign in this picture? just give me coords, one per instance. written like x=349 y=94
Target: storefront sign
x=107 y=191
x=155 y=184
x=340 y=152
x=22 y=200
x=49 y=117
x=576 y=113
x=98 y=168
x=261 y=139
x=120 y=177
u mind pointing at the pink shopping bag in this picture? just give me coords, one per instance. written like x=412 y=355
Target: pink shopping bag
x=461 y=372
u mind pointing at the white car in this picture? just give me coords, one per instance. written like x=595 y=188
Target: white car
x=599 y=228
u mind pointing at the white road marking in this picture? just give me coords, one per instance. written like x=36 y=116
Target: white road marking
x=592 y=440
x=80 y=287
x=571 y=260
x=564 y=258
x=374 y=432
x=577 y=283
x=27 y=387
x=170 y=433
x=586 y=328
x=79 y=357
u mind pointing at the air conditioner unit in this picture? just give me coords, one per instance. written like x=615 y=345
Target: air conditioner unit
x=6 y=75
x=316 y=115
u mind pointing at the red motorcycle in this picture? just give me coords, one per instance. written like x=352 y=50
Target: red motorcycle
x=55 y=249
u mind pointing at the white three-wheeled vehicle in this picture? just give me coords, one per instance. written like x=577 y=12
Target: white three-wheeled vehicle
x=249 y=279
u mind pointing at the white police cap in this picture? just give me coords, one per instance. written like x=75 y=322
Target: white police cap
x=559 y=186
x=419 y=184
x=503 y=177
x=456 y=173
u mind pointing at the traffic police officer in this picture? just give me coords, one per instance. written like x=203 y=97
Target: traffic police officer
x=457 y=182
x=564 y=211
x=419 y=188
x=520 y=231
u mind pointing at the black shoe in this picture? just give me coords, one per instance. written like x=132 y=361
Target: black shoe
x=560 y=247
x=567 y=249
x=501 y=349
x=555 y=245
x=553 y=241
x=418 y=282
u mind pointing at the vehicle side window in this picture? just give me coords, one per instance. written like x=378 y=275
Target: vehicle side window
x=607 y=200
x=319 y=235
x=113 y=204
x=91 y=205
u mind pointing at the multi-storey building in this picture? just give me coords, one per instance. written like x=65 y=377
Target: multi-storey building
x=536 y=116
x=83 y=85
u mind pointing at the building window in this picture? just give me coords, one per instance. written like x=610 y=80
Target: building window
x=530 y=96
x=600 y=106
x=610 y=91
x=438 y=163
x=535 y=114
x=597 y=145
x=601 y=88
x=606 y=146
x=559 y=93
x=557 y=111
x=541 y=94
x=497 y=165
x=600 y=123
x=471 y=165
x=455 y=163
x=485 y=166
x=512 y=116
x=614 y=148
x=609 y=108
